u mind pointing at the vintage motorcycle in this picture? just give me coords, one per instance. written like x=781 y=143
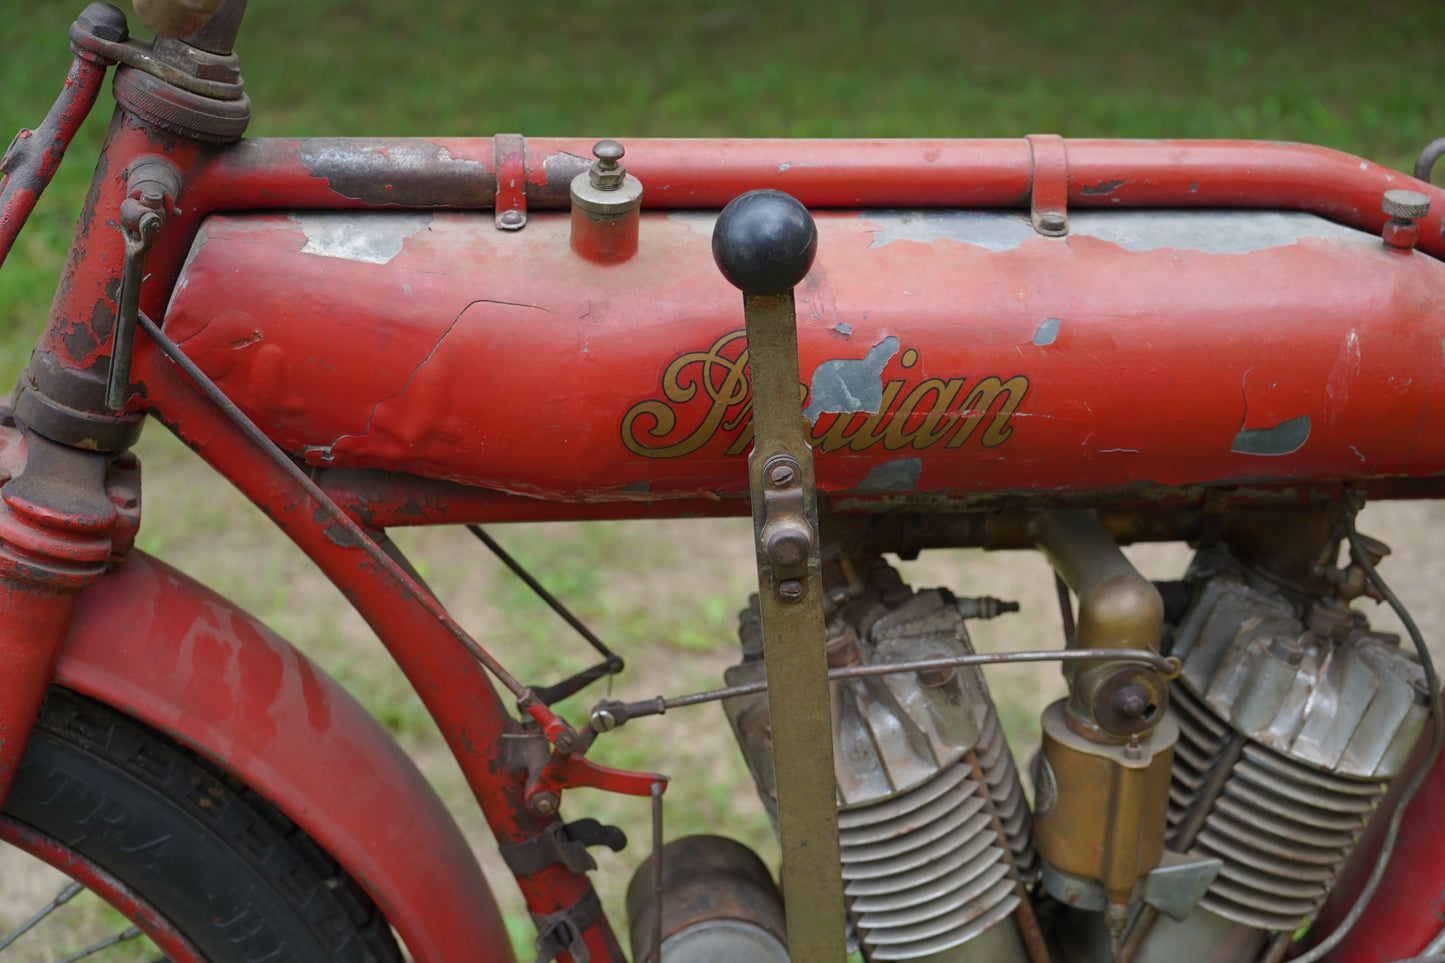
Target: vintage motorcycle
x=1065 y=345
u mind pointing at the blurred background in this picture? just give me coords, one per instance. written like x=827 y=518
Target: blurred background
x=1364 y=78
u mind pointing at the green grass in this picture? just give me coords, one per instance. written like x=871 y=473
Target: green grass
x=1362 y=78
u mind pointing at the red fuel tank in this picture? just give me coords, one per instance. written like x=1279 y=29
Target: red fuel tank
x=943 y=353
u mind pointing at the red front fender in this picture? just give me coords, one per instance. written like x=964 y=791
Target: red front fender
x=162 y=648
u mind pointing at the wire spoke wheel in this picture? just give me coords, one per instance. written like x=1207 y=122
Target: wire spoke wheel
x=88 y=914
x=150 y=853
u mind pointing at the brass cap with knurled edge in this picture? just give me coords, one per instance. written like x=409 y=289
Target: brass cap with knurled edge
x=1405 y=204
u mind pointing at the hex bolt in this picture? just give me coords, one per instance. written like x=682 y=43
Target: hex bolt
x=1131 y=702
x=545 y=803
x=607 y=173
x=790 y=590
x=105 y=22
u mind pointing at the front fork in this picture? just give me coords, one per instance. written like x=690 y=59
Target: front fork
x=66 y=509
x=64 y=513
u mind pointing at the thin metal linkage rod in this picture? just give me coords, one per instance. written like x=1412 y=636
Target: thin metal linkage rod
x=619 y=712
x=614 y=661
x=575 y=683
x=657 y=877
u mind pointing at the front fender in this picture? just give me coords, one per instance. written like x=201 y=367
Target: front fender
x=164 y=649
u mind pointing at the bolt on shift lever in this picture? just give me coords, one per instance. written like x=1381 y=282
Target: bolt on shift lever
x=764 y=243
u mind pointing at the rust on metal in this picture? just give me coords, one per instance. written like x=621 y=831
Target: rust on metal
x=510 y=206
x=399 y=173
x=34 y=155
x=1049 y=193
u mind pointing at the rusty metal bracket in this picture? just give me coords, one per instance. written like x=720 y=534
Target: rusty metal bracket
x=511 y=203
x=1049 y=195
x=564 y=843
x=562 y=931
x=787 y=533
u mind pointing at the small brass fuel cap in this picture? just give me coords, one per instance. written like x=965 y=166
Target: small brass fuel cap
x=605 y=207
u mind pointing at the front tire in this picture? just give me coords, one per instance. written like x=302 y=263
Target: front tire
x=215 y=862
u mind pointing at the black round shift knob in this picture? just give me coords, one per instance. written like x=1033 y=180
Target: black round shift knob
x=764 y=242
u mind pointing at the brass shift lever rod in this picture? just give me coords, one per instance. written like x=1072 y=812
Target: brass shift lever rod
x=764 y=243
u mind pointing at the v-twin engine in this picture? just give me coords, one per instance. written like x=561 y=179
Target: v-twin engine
x=1233 y=798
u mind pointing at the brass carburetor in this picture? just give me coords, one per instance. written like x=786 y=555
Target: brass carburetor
x=1102 y=773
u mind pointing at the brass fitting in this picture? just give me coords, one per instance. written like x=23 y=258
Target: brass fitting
x=1118 y=609
x=1102 y=774
x=1100 y=807
x=606 y=201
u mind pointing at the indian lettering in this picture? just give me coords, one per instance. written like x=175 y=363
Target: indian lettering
x=706 y=400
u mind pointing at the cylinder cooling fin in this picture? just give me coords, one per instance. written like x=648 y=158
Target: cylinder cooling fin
x=1284 y=728
x=1293 y=717
x=1282 y=829
x=934 y=827
x=937 y=866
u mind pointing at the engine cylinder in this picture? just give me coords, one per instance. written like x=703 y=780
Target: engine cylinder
x=936 y=866
x=1293 y=718
x=933 y=822
x=1283 y=829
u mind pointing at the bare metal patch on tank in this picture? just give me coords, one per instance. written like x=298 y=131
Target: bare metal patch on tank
x=374 y=238
x=1285 y=438
x=899 y=475
x=1208 y=232
x=844 y=385
x=994 y=230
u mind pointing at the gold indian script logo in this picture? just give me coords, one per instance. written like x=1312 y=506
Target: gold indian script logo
x=851 y=408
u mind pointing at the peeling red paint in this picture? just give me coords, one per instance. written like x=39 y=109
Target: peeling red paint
x=239 y=694
x=409 y=381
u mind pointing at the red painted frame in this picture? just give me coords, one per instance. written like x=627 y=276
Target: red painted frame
x=275 y=174
x=1174 y=174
